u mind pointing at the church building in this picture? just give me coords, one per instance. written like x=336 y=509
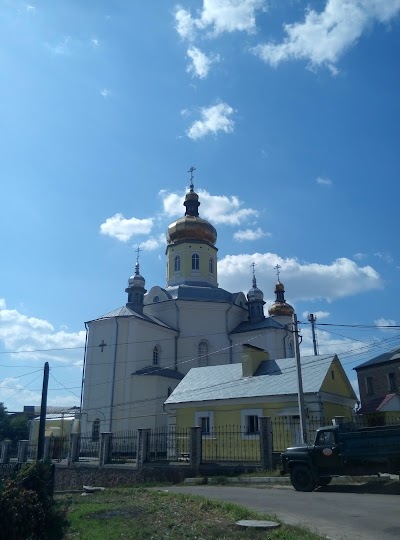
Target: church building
x=137 y=354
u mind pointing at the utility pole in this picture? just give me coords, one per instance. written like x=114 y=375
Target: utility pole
x=43 y=408
x=300 y=393
x=311 y=317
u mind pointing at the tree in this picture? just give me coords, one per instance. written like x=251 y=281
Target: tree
x=19 y=428
x=4 y=423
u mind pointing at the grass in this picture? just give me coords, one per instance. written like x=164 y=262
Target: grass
x=140 y=514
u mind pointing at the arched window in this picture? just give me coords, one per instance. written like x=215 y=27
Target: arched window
x=195 y=262
x=156 y=299
x=169 y=391
x=211 y=265
x=203 y=353
x=96 y=430
x=156 y=355
x=177 y=267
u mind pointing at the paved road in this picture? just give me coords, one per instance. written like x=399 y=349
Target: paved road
x=334 y=512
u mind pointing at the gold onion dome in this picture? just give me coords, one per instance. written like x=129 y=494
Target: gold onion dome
x=191 y=226
x=280 y=306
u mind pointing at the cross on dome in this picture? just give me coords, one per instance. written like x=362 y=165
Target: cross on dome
x=277 y=267
x=191 y=170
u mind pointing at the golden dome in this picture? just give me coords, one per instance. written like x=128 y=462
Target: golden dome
x=191 y=228
x=280 y=308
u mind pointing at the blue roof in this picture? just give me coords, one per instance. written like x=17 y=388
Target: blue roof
x=200 y=293
x=124 y=311
x=390 y=356
x=160 y=371
x=247 y=326
x=272 y=378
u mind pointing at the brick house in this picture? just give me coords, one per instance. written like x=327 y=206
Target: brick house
x=379 y=384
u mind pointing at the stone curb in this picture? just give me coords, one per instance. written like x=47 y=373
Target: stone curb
x=282 y=480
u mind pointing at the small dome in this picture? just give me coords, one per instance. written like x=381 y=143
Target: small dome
x=136 y=280
x=255 y=293
x=279 y=287
x=191 y=228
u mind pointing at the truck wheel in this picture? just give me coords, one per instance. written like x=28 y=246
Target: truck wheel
x=302 y=479
x=325 y=481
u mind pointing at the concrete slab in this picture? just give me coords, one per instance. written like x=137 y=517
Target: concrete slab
x=261 y=524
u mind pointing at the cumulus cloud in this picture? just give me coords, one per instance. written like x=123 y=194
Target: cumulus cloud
x=200 y=62
x=216 y=208
x=323 y=181
x=124 y=229
x=322 y=38
x=385 y=322
x=250 y=234
x=303 y=280
x=218 y=16
x=153 y=243
x=213 y=119
x=18 y=332
x=318 y=314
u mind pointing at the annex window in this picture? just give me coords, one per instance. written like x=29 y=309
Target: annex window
x=250 y=422
x=96 y=430
x=177 y=264
x=369 y=386
x=392 y=381
x=211 y=265
x=156 y=355
x=156 y=299
x=203 y=354
x=195 y=261
x=205 y=420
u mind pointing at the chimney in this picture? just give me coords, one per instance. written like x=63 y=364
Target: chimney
x=251 y=359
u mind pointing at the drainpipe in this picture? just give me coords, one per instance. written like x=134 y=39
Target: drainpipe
x=176 y=337
x=229 y=335
x=84 y=367
x=284 y=341
x=113 y=378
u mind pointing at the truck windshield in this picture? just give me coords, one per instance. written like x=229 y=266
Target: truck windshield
x=325 y=437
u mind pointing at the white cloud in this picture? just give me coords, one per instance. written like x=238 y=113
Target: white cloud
x=124 y=229
x=303 y=280
x=29 y=8
x=62 y=48
x=153 y=243
x=219 y=16
x=18 y=332
x=360 y=256
x=324 y=181
x=201 y=63
x=385 y=322
x=213 y=119
x=250 y=234
x=324 y=37
x=105 y=92
x=216 y=208
x=94 y=42
x=386 y=257
x=318 y=314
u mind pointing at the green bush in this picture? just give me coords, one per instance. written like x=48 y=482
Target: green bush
x=27 y=508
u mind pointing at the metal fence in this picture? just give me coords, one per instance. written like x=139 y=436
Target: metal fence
x=59 y=449
x=88 y=448
x=230 y=444
x=124 y=447
x=168 y=444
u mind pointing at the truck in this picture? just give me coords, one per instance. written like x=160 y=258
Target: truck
x=342 y=450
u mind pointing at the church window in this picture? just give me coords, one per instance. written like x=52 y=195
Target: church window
x=96 y=430
x=156 y=355
x=203 y=354
x=195 y=262
x=211 y=265
x=177 y=267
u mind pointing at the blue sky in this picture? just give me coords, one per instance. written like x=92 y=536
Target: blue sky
x=288 y=110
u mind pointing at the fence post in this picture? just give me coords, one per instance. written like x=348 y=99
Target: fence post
x=5 y=451
x=73 y=450
x=143 y=446
x=195 y=448
x=22 y=451
x=266 y=442
x=48 y=448
x=105 y=448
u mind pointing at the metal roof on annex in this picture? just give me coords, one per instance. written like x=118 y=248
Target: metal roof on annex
x=247 y=326
x=390 y=356
x=272 y=378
